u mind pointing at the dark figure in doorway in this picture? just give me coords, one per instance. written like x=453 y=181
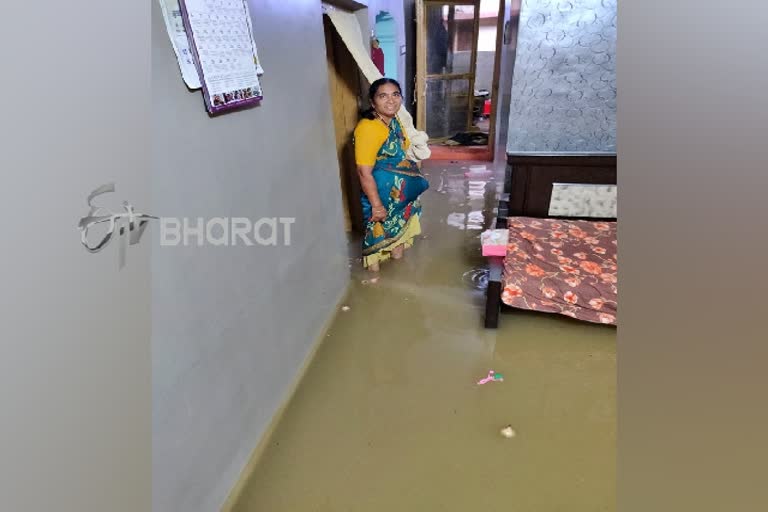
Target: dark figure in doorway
x=437 y=42
x=377 y=55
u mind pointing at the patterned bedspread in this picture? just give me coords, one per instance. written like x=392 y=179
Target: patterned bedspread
x=565 y=267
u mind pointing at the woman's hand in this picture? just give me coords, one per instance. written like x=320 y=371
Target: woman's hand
x=379 y=214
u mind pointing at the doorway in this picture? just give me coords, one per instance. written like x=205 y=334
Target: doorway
x=385 y=32
x=457 y=75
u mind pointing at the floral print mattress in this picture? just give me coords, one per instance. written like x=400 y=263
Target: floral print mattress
x=564 y=267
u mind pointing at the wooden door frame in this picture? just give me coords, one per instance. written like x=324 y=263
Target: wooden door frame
x=421 y=64
x=421 y=58
x=495 y=100
x=473 y=65
x=345 y=89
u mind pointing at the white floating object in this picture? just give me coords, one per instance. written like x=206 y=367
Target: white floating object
x=508 y=432
x=345 y=308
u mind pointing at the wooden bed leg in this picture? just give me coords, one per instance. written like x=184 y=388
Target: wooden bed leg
x=501 y=217
x=493 y=294
x=495 y=271
x=493 y=305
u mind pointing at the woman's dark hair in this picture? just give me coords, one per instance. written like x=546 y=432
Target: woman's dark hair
x=369 y=113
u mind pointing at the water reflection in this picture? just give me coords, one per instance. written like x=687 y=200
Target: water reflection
x=476 y=278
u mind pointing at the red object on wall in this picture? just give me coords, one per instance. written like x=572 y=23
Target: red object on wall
x=377 y=55
x=487 y=108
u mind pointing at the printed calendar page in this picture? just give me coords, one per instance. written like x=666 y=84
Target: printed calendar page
x=220 y=33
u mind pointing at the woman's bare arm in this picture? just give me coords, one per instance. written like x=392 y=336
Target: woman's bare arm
x=368 y=184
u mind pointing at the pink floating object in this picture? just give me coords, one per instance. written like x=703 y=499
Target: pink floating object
x=478 y=171
x=478 y=174
x=492 y=377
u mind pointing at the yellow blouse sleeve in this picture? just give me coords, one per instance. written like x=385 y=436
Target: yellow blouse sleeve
x=369 y=136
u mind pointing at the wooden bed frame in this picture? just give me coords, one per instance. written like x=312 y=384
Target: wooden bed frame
x=527 y=193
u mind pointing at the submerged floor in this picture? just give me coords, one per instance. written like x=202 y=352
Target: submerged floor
x=389 y=416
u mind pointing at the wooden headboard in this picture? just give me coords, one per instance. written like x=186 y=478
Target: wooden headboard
x=530 y=179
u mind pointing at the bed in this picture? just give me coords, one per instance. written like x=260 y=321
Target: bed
x=557 y=219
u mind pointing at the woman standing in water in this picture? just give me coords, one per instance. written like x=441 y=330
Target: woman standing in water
x=391 y=182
